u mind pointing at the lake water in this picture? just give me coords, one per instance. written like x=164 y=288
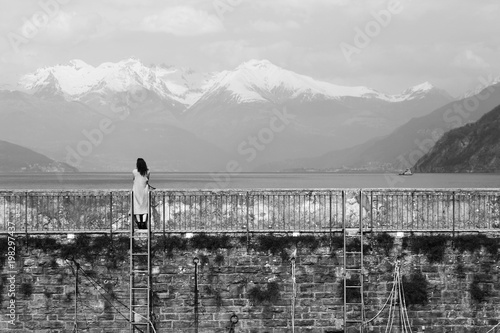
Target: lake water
x=123 y=181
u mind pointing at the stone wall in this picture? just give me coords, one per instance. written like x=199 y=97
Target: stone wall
x=252 y=280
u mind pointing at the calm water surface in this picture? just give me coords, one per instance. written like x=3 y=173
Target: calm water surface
x=162 y=180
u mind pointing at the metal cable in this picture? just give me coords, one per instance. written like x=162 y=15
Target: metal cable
x=95 y=283
x=388 y=298
x=294 y=292
x=406 y=320
x=196 y=261
x=491 y=330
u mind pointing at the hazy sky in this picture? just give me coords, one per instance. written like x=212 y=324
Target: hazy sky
x=450 y=43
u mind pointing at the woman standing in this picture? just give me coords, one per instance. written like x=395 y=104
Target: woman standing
x=141 y=193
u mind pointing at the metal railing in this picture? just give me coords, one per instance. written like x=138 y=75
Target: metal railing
x=254 y=210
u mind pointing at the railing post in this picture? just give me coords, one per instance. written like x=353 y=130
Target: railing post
x=343 y=209
x=371 y=211
x=111 y=215
x=26 y=218
x=360 y=209
x=412 y=212
x=163 y=213
x=331 y=232
x=453 y=214
x=248 y=221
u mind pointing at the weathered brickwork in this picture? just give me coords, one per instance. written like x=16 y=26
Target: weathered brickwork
x=45 y=294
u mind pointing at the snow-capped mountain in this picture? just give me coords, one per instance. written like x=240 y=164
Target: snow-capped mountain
x=491 y=81
x=78 y=80
x=252 y=81
x=420 y=91
x=225 y=110
x=262 y=81
x=239 y=103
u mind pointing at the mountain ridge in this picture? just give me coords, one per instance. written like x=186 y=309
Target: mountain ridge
x=403 y=147
x=248 y=82
x=15 y=158
x=474 y=147
x=217 y=116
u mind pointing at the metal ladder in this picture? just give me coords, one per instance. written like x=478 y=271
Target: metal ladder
x=140 y=274
x=354 y=310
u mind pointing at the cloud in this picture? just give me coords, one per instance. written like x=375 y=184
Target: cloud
x=468 y=59
x=266 y=26
x=232 y=52
x=64 y=27
x=269 y=26
x=310 y=3
x=182 y=21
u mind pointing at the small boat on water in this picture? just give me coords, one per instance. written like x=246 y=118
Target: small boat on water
x=407 y=172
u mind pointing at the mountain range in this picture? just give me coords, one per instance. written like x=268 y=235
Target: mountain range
x=252 y=81
x=403 y=147
x=257 y=115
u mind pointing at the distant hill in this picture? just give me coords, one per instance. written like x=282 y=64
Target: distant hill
x=14 y=158
x=53 y=127
x=471 y=148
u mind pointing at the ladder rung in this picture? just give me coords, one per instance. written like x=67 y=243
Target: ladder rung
x=140 y=254
x=139 y=305
x=139 y=288
x=139 y=271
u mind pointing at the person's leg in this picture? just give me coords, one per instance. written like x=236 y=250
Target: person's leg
x=144 y=220
x=138 y=218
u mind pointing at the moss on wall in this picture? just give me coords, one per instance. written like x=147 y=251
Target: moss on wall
x=254 y=280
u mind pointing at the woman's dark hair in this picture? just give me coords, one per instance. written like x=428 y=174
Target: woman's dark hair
x=142 y=167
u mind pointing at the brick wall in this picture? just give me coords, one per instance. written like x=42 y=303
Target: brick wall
x=45 y=286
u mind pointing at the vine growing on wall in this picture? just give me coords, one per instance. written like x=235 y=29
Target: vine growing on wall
x=415 y=289
x=270 y=295
x=385 y=242
x=477 y=290
x=282 y=244
x=433 y=247
x=26 y=289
